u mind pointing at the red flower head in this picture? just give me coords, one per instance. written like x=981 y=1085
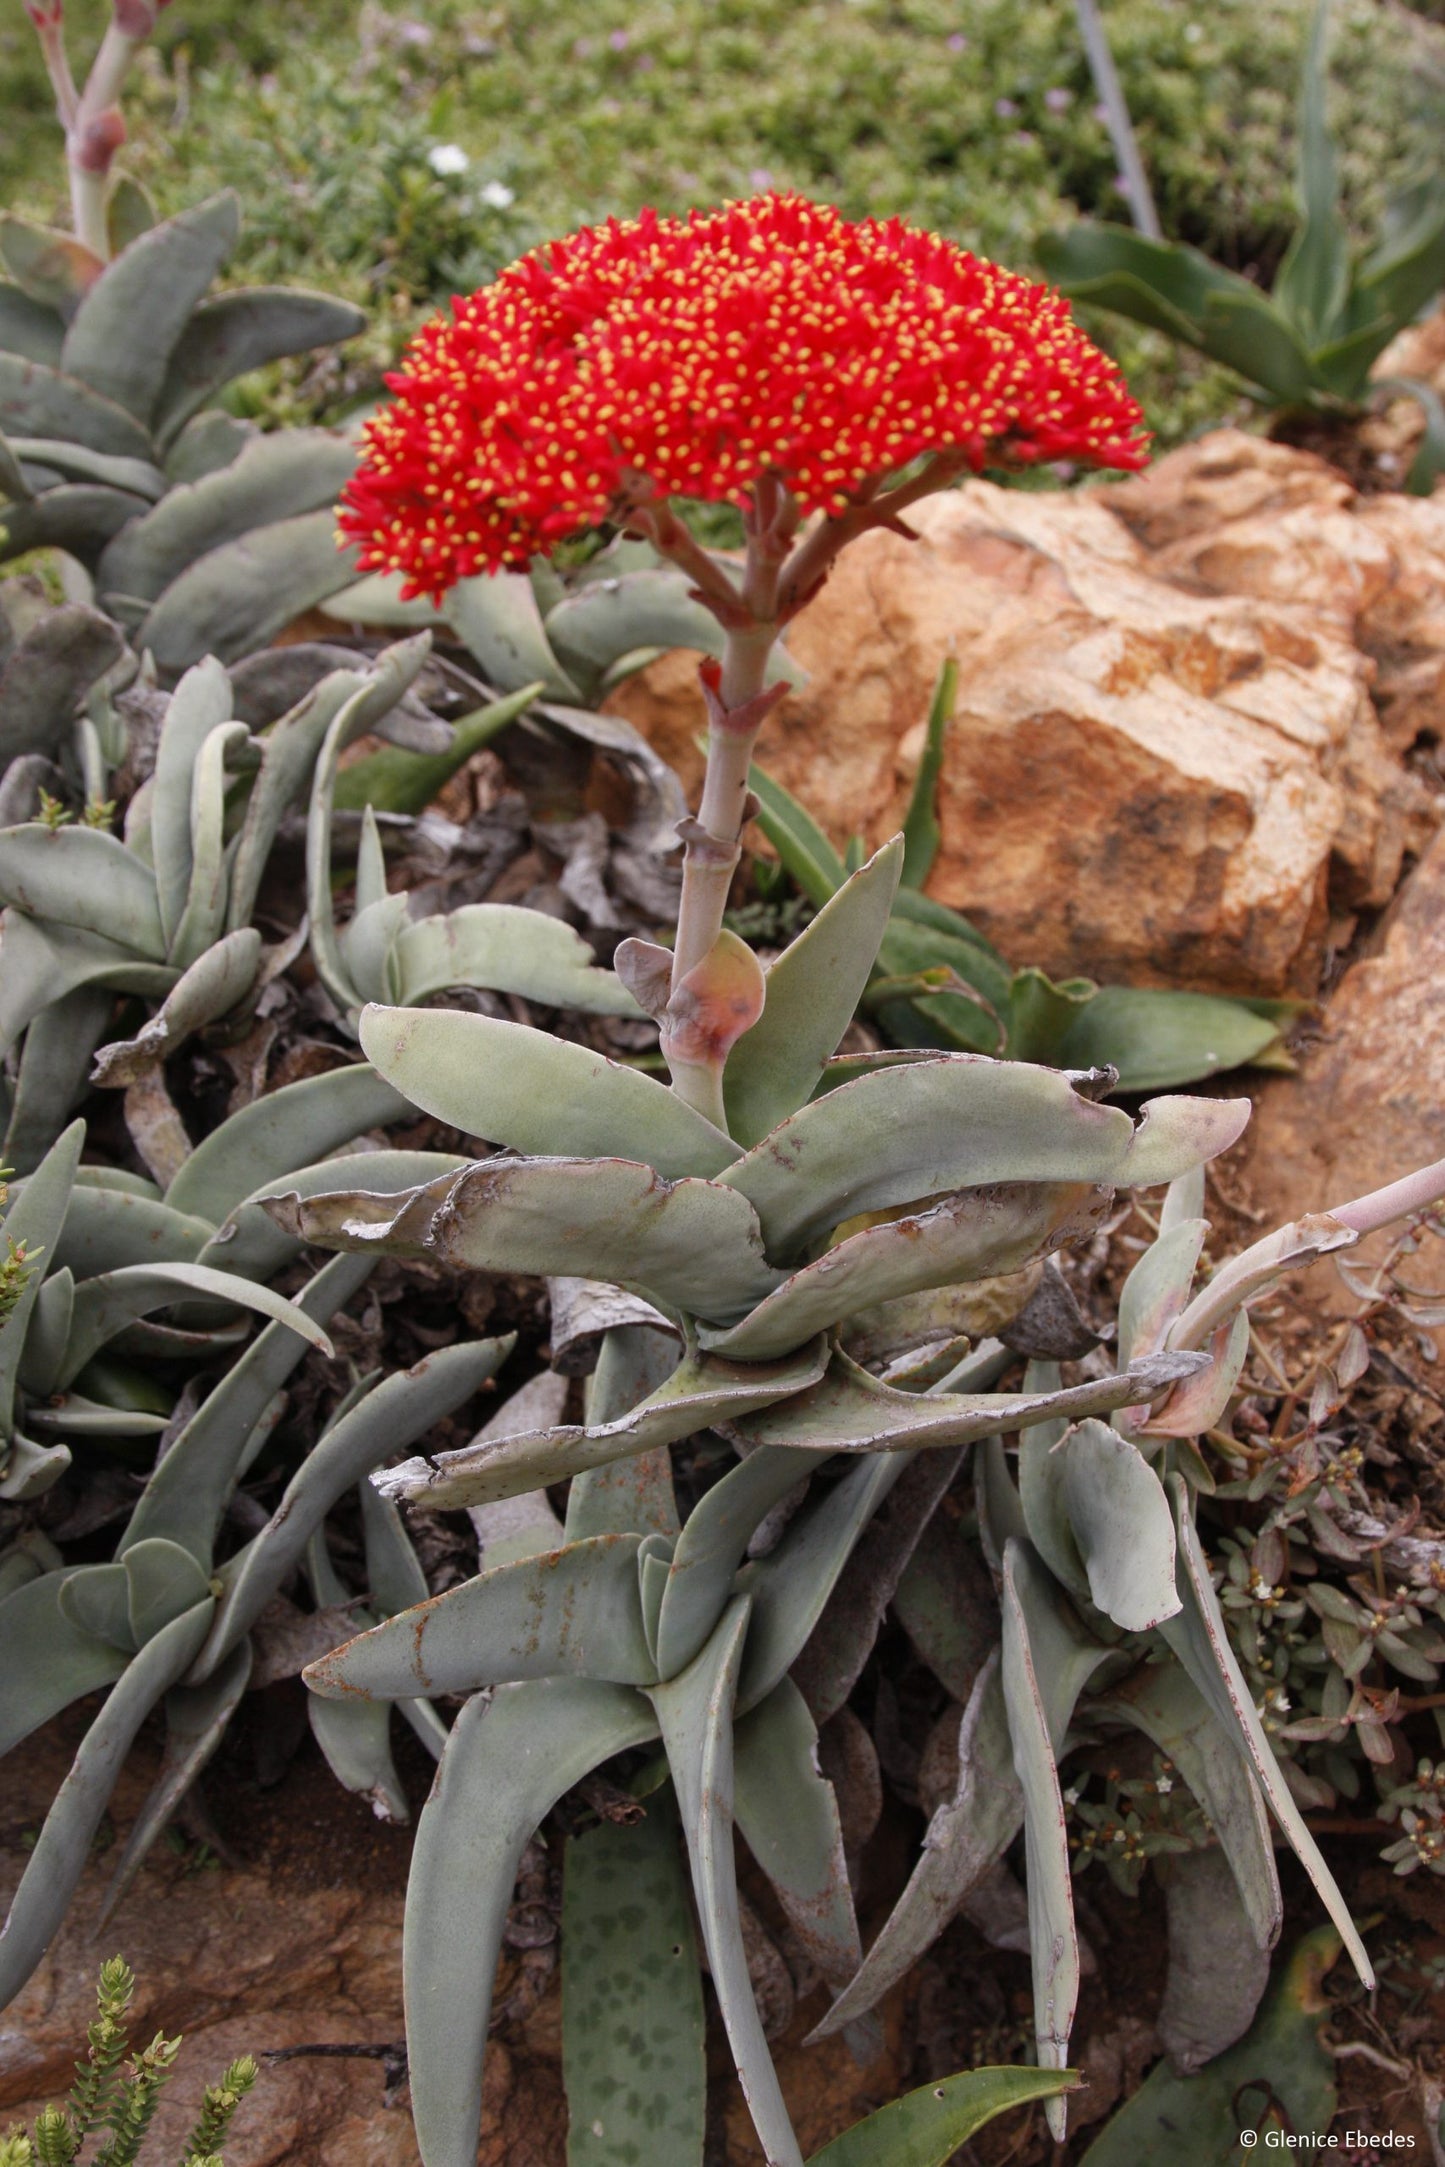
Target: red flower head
x=691 y=357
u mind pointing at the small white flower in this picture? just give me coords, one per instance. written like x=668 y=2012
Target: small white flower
x=1071 y=1796
x=447 y=160
x=497 y=196
x=1163 y=1785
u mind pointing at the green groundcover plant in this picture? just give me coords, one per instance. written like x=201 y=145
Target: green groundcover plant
x=775 y=1206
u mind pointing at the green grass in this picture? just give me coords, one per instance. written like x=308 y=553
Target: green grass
x=972 y=116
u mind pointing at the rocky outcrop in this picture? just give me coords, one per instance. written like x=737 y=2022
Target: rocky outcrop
x=1166 y=763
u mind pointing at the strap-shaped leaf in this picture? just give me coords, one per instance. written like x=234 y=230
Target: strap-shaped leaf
x=592 y=628
x=208 y=989
x=43 y=966
x=187 y=1495
x=286 y=1129
x=29 y=330
x=813 y=989
x=1217 y=1971
x=35 y=1219
x=958 y=1122
x=712 y=1546
x=1158 y=1037
x=507 y=1762
x=85 y=878
x=1156 y=1291
x=204 y=914
x=848 y=1410
x=48 y=670
x=689 y=1244
x=788 y=1815
x=534 y=1093
x=701 y=1392
x=75 y=516
x=1312 y=284
x=287 y=762
x=497 y=618
x=237 y=597
x=1044 y=1665
x=635 y=1493
x=106 y=1304
x=196 y=1721
x=695 y=1715
x=1249 y=334
x=58 y=1859
x=1200 y=1641
x=632 y=2009
x=354 y=1735
x=232 y=333
x=163 y=1580
x=274 y=477
x=966 y=1836
x=395 y=780
x=40 y=401
x=50 y=1659
x=399 y=1410
x=925 y=2128
x=122 y=335
x=252 y=1241
x=77 y=462
x=510 y=950
x=200 y=705
x=1114 y=266
x=801 y=844
x=790 y=1588
x=974 y=1234
x=1161 y=1700
x=1121 y=1521
x=573 y=1611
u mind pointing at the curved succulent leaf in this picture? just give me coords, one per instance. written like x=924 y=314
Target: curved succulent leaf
x=106 y=1304
x=1237 y=1282
x=76 y=516
x=966 y=1836
x=256 y=1241
x=162 y=1581
x=926 y=2127
x=510 y=950
x=1161 y=1700
x=47 y=673
x=196 y=1722
x=219 y=979
x=187 y=1495
x=1120 y=1519
x=507 y=1761
x=43 y=965
x=607 y=618
x=29 y=330
x=289 y=755
x=241 y=594
x=957 y=1122
x=689 y=1243
x=233 y=333
x=40 y=401
x=121 y=336
x=533 y=1093
x=85 y=878
x=395 y=780
x=572 y=1611
x=1045 y=1663
x=35 y=1218
x=399 y=1410
x=497 y=618
x=272 y=478
x=695 y=1715
x=790 y=1588
x=1157 y=1289
x=700 y=1393
x=788 y=1815
x=50 y=1659
x=711 y=1547
x=1042 y=1493
x=1159 y=1037
x=632 y=2011
x=204 y=914
x=813 y=988
x=58 y=1859
x=974 y=1234
x=635 y=1493
x=1201 y=1643
x=849 y=1410
x=274 y=1135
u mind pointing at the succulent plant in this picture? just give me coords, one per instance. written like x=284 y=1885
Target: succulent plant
x=202 y=535
x=940 y=982
x=161 y=1622
x=122 y=2100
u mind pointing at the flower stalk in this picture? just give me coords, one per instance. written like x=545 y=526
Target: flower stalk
x=91 y=118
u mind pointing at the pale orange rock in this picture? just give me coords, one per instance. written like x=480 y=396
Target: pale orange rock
x=1369 y=1103
x=1165 y=765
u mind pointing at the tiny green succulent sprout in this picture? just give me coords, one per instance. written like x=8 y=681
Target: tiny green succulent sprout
x=1312 y=341
x=119 y=2100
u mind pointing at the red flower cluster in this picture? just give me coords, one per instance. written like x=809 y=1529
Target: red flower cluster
x=689 y=356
